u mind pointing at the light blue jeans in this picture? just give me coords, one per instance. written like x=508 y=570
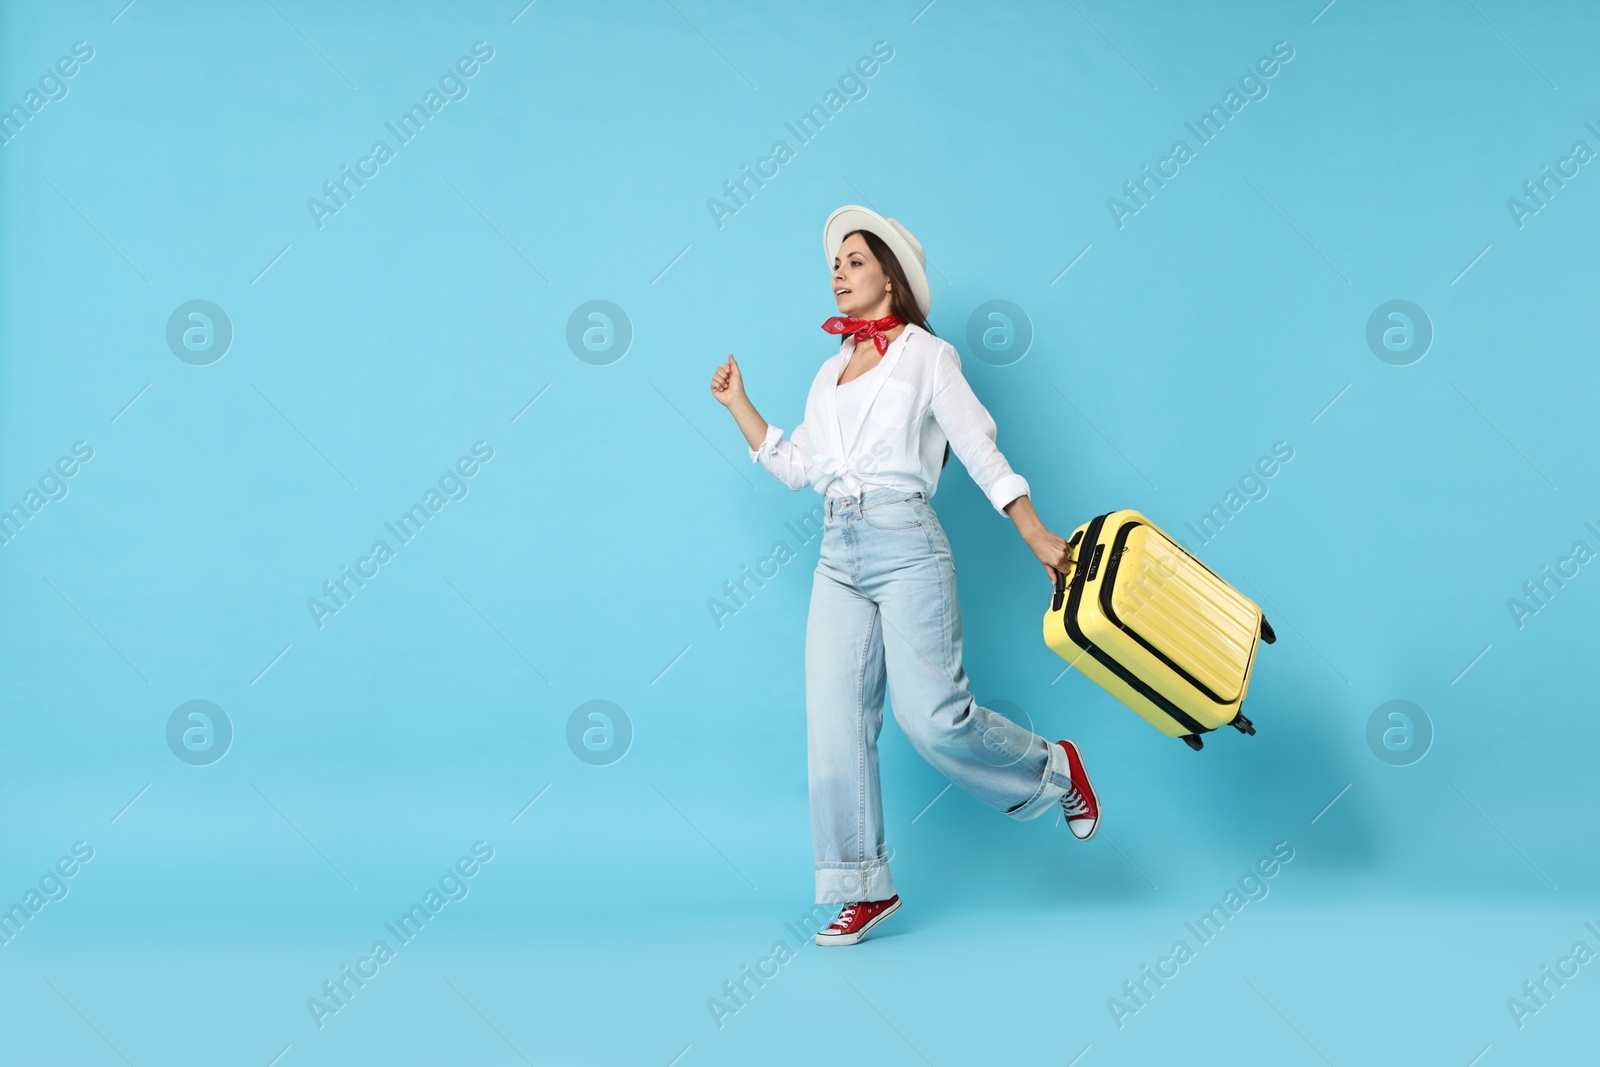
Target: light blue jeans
x=884 y=596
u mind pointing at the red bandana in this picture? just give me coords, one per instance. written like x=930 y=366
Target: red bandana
x=864 y=328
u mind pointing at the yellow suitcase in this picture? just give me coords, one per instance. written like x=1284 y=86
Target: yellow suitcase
x=1155 y=627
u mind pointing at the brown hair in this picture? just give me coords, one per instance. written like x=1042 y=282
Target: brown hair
x=902 y=302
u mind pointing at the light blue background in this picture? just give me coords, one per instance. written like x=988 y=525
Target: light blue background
x=431 y=310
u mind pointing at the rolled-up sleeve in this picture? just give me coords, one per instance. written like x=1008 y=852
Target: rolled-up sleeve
x=789 y=460
x=971 y=430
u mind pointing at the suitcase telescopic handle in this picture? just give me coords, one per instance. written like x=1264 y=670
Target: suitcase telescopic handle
x=1061 y=575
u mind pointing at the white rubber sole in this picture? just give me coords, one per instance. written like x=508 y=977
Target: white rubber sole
x=855 y=938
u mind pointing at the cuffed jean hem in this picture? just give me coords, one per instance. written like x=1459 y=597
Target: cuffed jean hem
x=847 y=883
x=1057 y=780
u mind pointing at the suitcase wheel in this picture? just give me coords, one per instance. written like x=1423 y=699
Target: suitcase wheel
x=1193 y=742
x=1267 y=633
x=1243 y=725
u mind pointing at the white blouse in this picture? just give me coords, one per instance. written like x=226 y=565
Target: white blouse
x=913 y=402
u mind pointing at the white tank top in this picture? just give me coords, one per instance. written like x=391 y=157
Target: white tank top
x=850 y=402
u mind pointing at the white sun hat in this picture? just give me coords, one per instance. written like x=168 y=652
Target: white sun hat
x=907 y=249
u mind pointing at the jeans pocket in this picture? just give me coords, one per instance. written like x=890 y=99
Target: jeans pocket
x=936 y=536
x=892 y=515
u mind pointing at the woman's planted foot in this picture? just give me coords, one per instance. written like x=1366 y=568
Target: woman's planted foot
x=856 y=919
x=1079 y=803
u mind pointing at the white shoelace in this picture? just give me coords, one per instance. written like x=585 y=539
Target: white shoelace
x=843 y=921
x=1074 y=802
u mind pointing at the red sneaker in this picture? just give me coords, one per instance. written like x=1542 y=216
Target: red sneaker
x=856 y=919
x=1079 y=803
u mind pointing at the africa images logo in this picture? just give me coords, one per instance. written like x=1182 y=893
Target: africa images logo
x=852 y=85
x=452 y=885
x=1252 y=887
x=1206 y=128
x=452 y=485
x=452 y=86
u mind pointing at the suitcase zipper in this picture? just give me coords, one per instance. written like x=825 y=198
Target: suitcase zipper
x=1076 y=635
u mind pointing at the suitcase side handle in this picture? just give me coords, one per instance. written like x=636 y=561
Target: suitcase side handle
x=1061 y=576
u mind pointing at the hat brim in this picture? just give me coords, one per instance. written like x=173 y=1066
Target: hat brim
x=854 y=217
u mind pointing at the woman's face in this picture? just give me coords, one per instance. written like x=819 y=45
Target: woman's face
x=859 y=283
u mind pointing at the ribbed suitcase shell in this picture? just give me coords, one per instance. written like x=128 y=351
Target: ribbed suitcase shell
x=1155 y=628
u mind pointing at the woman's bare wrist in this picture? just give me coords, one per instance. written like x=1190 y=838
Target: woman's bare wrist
x=1021 y=512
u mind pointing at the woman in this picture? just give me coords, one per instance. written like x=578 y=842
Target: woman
x=883 y=597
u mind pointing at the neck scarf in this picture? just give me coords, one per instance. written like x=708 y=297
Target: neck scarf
x=863 y=329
